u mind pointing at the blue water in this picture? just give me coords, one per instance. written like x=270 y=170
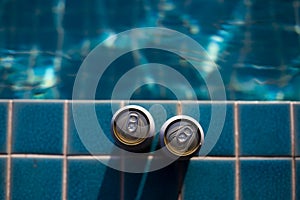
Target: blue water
x=256 y=45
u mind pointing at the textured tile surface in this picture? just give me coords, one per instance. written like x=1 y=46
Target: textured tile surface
x=265 y=129
x=90 y=134
x=2 y=178
x=90 y=179
x=297 y=128
x=209 y=179
x=37 y=127
x=36 y=178
x=225 y=136
x=265 y=179
x=3 y=126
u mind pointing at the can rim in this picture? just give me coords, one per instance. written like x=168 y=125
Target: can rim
x=141 y=111
x=175 y=119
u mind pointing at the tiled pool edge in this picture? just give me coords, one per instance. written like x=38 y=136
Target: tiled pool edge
x=66 y=157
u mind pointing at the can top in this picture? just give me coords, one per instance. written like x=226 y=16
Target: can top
x=132 y=125
x=182 y=135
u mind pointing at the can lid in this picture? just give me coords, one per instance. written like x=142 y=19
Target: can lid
x=182 y=135
x=132 y=125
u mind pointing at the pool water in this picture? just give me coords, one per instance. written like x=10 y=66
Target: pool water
x=256 y=45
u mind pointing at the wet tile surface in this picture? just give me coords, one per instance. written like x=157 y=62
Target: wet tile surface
x=265 y=179
x=265 y=129
x=91 y=134
x=36 y=178
x=209 y=179
x=37 y=127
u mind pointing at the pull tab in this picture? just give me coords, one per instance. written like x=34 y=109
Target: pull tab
x=132 y=122
x=184 y=135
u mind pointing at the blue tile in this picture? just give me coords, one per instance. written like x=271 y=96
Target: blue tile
x=225 y=142
x=298 y=179
x=297 y=128
x=36 y=178
x=209 y=179
x=2 y=178
x=265 y=129
x=37 y=127
x=104 y=112
x=90 y=179
x=3 y=125
x=265 y=179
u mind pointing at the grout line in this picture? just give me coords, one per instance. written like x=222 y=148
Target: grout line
x=94 y=101
x=149 y=101
x=141 y=101
x=293 y=151
x=122 y=186
x=65 y=151
x=107 y=157
x=179 y=108
x=264 y=158
x=122 y=174
x=122 y=104
x=261 y=102
x=36 y=156
x=204 y=158
x=156 y=101
x=180 y=196
x=38 y=101
x=237 y=151
x=92 y=157
x=9 y=144
x=122 y=180
x=89 y=157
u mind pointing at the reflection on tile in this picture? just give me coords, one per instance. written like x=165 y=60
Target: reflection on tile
x=265 y=179
x=297 y=128
x=265 y=129
x=90 y=179
x=36 y=178
x=90 y=134
x=225 y=143
x=2 y=178
x=209 y=179
x=37 y=127
x=3 y=125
